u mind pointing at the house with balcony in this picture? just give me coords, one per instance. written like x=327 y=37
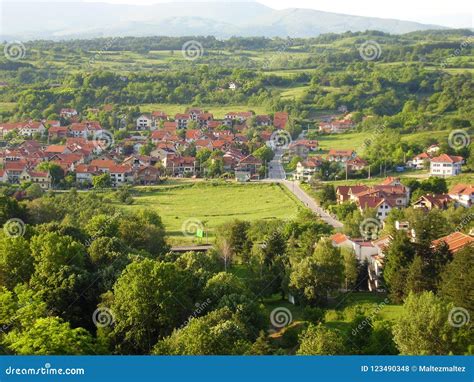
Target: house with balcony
x=446 y=165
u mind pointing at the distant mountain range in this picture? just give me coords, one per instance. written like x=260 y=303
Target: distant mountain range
x=67 y=20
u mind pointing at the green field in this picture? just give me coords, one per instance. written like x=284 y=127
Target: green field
x=218 y=111
x=348 y=141
x=6 y=106
x=212 y=205
x=355 y=140
x=294 y=93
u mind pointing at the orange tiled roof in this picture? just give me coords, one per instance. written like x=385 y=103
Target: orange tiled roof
x=455 y=241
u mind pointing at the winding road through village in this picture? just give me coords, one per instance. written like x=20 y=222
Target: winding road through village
x=276 y=173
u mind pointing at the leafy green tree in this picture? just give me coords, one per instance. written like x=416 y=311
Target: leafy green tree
x=261 y=346
x=235 y=233
x=224 y=284
x=10 y=209
x=102 y=181
x=51 y=336
x=381 y=339
x=34 y=191
x=109 y=257
x=423 y=327
x=218 y=333
x=350 y=270
x=149 y=299
x=399 y=256
x=57 y=173
x=16 y=262
x=457 y=281
x=202 y=265
x=314 y=278
x=416 y=277
x=143 y=230
x=327 y=195
x=361 y=331
x=264 y=153
x=102 y=225
x=319 y=340
x=60 y=276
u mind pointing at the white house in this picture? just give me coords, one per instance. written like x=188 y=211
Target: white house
x=418 y=162
x=306 y=169
x=382 y=205
x=433 y=149
x=31 y=128
x=463 y=194
x=120 y=175
x=446 y=165
x=68 y=113
x=144 y=122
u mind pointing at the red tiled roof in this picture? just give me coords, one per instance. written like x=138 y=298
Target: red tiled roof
x=334 y=152
x=439 y=200
x=193 y=134
x=462 y=189
x=339 y=238
x=280 y=119
x=55 y=149
x=15 y=165
x=455 y=241
x=38 y=174
x=445 y=158
x=250 y=159
x=119 y=169
x=103 y=163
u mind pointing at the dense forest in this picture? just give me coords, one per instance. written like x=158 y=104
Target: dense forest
x=81 y=277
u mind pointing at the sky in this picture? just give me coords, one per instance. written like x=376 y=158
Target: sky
x=451 y=13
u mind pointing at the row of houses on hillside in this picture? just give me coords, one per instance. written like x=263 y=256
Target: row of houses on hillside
x=55 y=131
x=443 y=165
x=459 y=195
x=153 y=121
x=336 y=126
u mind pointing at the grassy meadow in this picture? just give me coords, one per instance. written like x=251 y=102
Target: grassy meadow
x=218 y=111
x=212 y=205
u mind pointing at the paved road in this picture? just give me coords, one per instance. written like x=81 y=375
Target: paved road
x=276 y=173
x=309 y=202
x=275 y=170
